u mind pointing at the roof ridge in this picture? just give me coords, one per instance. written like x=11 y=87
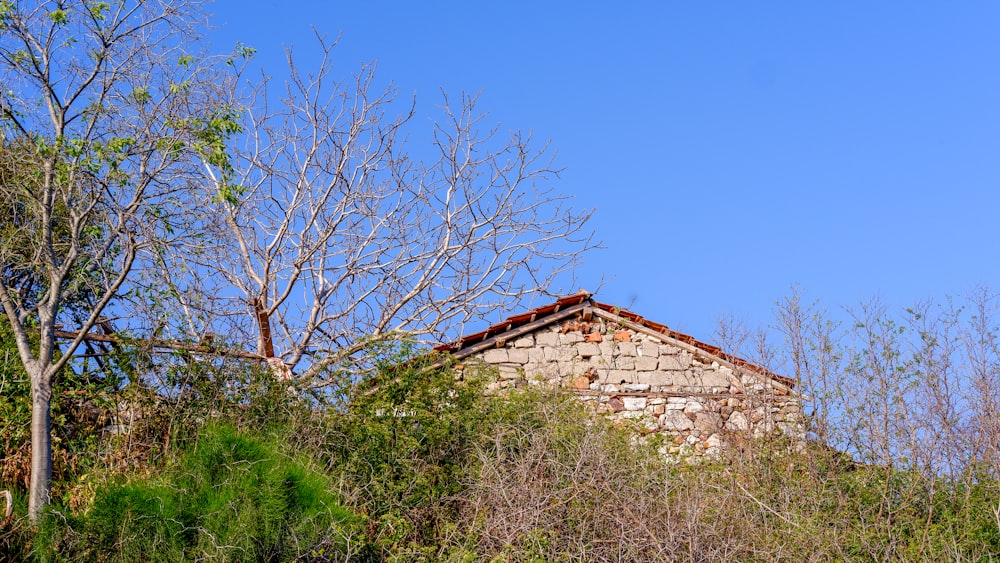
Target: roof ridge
x=539 y=313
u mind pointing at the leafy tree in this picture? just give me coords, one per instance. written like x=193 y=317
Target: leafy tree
x=94 y=118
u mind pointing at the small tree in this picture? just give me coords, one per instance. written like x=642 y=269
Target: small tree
x=99 y=102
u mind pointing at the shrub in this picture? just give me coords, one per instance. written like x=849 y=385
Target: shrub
x=229 y=496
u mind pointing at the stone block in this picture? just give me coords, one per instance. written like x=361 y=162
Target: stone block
x=637 y=387
x=547 y=339
x=525 y=342
x=714 y=441
x=675 y=421
x=713 y=378
x=656 y=378
x=669 y=363
x=588 y=349
x=649 y=349
x=536 y=355
x=495 y=356
x=625 y=349
x=634 y=403
x=624 y=362
x=622 y=376
x=510 y=372
x=559 y=354
x=646 y=363
x=707 y=421
x=517 y=355
x=570 y=338
x=616 y=404
x=668 y=350
x=693 y=407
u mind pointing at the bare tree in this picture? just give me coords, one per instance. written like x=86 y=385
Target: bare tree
x=98 y=109
x=337 y=234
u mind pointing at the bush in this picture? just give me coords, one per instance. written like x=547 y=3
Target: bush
x=229 y=497
x=403 y=450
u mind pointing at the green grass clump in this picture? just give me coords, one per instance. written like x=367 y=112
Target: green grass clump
x=229 y=497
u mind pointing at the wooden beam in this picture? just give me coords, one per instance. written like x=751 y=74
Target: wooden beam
x=512 y=334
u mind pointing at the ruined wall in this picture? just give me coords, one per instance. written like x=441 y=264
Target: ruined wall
x=662 y=386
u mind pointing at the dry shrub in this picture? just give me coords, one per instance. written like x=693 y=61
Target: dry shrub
x=553 y=482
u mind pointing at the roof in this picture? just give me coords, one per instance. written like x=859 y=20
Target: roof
x=564 y=307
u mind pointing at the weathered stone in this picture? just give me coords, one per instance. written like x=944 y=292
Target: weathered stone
x=669 y=363
x=639 y=387
x=646 y=363
x=587 y=349
x=571 y=338
x=714 y=441
x=634 y=403
x=624 y=362
x=714 y=378
x=525 y=342
x=517 y=355
x=616 y=404
x=560 y=354
x=509 y=372
x=707 y=421
x=657 y=378
x=693 y=406
x=495 y=355
x=667 y=350
x=547 y=339
x=650 y=349
x=622 y=376
x=580 y=382
x=659 y=409
x=737 y=422
x=675 y=421
x=626 y=348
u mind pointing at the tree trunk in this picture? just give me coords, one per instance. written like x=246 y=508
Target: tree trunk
x=41 y=445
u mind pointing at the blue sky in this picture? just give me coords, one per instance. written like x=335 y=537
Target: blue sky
x=730 y=149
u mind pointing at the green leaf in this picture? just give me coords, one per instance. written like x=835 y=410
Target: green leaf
x=59 y=17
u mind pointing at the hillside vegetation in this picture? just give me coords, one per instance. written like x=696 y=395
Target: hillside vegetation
x=229 y=464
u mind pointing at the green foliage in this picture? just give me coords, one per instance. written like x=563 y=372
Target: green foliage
x=405 y=446
x=228 y=496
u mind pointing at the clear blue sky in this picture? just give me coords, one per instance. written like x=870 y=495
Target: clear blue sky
x=730 y=149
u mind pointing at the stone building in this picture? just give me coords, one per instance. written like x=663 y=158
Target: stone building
x=665 y=382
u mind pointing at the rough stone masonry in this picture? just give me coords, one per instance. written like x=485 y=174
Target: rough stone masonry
x=663 y=386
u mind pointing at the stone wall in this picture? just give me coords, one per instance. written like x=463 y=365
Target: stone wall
x=662 y=386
